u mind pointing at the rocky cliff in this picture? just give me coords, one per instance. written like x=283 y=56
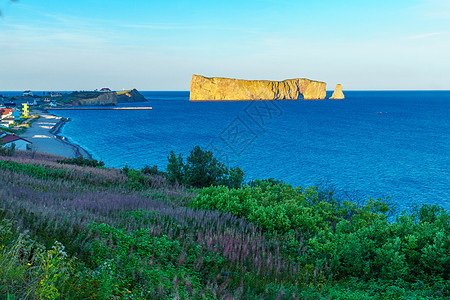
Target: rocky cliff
x=99 y=98
x=217 y=88
x=338 y=94
x=130 y=96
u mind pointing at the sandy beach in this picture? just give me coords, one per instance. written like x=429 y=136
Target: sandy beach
x=43 y=133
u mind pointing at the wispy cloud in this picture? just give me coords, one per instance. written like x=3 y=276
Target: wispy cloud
x=163 y=26
x=424 y=35
x=189 y=27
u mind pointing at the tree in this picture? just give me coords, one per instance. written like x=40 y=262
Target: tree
x=175 y=168
x=202 y=170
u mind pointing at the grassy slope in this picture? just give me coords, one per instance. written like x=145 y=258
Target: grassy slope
x=77 y=96
x=134 y=236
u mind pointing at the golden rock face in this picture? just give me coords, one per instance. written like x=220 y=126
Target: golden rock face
x=218 y=88
x=338 y=94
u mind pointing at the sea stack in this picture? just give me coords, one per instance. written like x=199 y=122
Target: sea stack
x=338 y=94
x=218 y=89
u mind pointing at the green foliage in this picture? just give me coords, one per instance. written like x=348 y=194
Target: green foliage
x=16 y=259
x=175 y=168
x=35 y=171
x=202 y=170
x=54 y=268
x=415 y=247
x=153 y=171
x=27 y=270
x=133 y=238
x=274 y=205
x=7 y=151
x=77 y=97
x=137 y=180
x=126 y=169
x=81 y=161
x=352 y=240
x=140 y=259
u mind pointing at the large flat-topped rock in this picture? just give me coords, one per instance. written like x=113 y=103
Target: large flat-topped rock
x=218 y=88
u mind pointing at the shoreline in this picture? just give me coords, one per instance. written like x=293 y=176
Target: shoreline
x=79 y=151
x=45 y=138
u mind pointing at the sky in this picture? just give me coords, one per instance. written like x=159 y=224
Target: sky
x=158 y=45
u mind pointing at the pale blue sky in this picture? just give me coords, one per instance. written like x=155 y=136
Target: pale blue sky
x=158 y=45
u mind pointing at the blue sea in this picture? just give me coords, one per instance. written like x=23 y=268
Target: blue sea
x=373 y=143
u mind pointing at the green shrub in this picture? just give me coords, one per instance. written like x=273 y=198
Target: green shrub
x=137 y=180
x=153 y=171
x=142 y=260
x=274 y=205
x=414 y=247
x=7 y=151
x=202 y=170
x=81 y=161
x=351 y=240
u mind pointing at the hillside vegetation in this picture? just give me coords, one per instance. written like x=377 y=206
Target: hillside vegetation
x=72 y=229
x=86 y=98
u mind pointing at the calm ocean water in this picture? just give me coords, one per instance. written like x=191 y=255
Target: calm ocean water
x=373 y=143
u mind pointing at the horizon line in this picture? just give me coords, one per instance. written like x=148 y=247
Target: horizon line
x=350 y=90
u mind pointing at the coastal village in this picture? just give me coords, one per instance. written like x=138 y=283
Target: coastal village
x=18 y=112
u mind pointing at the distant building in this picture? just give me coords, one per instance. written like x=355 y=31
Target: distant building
x=16 y=114
x=7 y=121
x=105 y=90
x=54 y=95
x=52 y=104
x=32 y=102
x=5 y=112
x=47 y=99
x=25 y=109
x=6 y=117
x=27 y=93
x=20 y=143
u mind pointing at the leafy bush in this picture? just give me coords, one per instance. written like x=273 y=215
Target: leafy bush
x=81 y=161
x=137 y=180
x=414 y=247
x=153 y=171
x=274 y=205
x=7 y=151
x=352 y=241
x=202 y=170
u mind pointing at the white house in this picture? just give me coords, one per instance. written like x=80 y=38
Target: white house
x=6 y=122
x=20 y=143
x=27 y=93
